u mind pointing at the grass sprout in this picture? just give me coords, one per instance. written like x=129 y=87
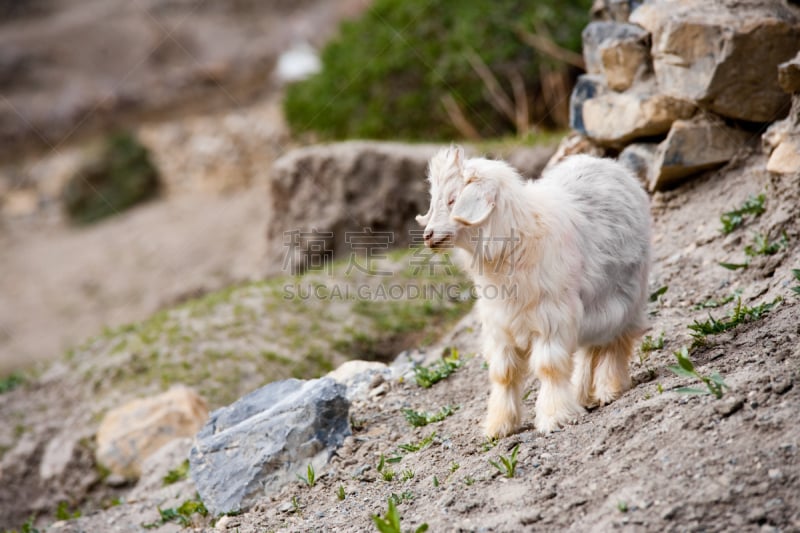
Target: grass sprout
x=655 y=295
x=311 y=476
x=762 y=246
x=412 y=447
x=426 y=377
x=182 y=515
x=740 y=314
x=507 y=465
x=713 y=304
x=422 y=418
x=390 y=522
x=340 y=493
x=753 y=206
x=685 y=368
x=796 y=274
x=177 y=474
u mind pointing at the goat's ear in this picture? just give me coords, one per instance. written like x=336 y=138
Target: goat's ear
x=423 y=220
x=457 y=156
x=475 y=203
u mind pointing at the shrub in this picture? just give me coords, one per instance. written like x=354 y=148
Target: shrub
x=388 y=74
x=119 y=177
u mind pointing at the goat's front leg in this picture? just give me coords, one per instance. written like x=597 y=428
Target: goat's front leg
x=508 y=368
x=557 y=403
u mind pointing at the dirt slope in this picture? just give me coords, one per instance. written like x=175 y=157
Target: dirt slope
x=653 y=460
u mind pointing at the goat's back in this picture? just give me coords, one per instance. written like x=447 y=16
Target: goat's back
x=610 y=213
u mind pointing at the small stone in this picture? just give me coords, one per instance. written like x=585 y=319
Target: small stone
x=639 y=158
x=774 y=474
x=789 y=75
x=785 y=159
x=728 y=406
x=781 y=387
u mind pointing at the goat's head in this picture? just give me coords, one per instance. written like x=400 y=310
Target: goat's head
x=460 y=199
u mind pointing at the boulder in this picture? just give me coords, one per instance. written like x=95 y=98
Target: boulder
x=781 y=142
x=587 y=87
x=530 y=161
x=693 y=146
x=259 y=443
x=572 y=144
x=639 y=158
x=132 y=432
x=618 y=52
x=789 y=75
x=613 y=10
x=614 y=119
x=722 y=55
x=339 y=188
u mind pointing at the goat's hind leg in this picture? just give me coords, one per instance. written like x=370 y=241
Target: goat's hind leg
x=557 y=403
x=611 y=373
x=583 y=377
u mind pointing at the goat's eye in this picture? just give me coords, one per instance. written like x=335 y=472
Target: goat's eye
x=451 y=201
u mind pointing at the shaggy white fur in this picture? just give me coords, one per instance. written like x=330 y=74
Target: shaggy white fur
x=568 y=257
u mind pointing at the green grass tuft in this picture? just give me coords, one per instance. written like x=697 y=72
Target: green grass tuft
x=685 y=368
x=753 y=206
x=426 y=377
x=177 y=474
x=507 y=465
x=422 y=418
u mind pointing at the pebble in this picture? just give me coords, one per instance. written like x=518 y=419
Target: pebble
x=774 y=473
x=728 y=406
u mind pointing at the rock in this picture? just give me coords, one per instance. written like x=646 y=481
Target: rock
x=65 y=450
x=785 y=159
x=530 y=161
x=617 y=51
x=340 y=188
x=358 y=376
x=130 y=433
x=614 y=10
x=572 y=144
x=693 y=146
x=722 y=55
x=587 y=86
x=789 y=75
x=728 y=406
x=261 y=441
x=614 y=119
x=639 y=158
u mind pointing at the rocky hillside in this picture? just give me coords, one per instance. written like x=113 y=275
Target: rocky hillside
x=702 y=101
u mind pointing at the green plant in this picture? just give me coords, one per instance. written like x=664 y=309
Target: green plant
x=735 y=266
x=435 y=481
x=390 y=523
x=718 y=303
x=183 y=514
x=754 y=205
x=63 y=512
x=412 y=447
x=491 y=442
x=405 y=496
x=28 y=526
x=685 y=368
x=405 y=475
x=796 y=274
x=421 y=418
x=386 y=473
x=440 y=69
x=119 y=177
x=177 y=474
x=622 y=507
x=340 y=493
x=740 y=314
x=762 y=246
x=655 y=295
x=507 y=465
x=454 y=466
x=469 y=481
x=11 y=382
x=311 y=477
x=426 y=377
x=650 y=344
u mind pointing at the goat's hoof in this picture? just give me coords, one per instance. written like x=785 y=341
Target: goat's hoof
x=495 y=429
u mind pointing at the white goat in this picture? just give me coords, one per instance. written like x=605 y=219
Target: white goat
x=567 y=257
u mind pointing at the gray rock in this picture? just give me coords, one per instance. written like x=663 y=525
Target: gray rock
x=615 y=48
x=613 y=10
x=260 y=442
x=339 y=188
x=693 y=146
x=638 y=158
x=722 y=55
x=587 y=87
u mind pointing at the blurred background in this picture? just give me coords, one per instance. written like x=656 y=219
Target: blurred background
x=139 y=139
